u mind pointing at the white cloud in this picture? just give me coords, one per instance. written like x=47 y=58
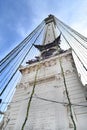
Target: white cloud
x=80 y=27
x=21 y=31
x=71 y=12
x=78 y=19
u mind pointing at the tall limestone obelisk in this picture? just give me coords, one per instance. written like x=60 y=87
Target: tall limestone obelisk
x=50 y=91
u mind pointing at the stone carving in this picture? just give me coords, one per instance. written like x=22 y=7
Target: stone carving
x=5 y=121
x=58 y=76
x=32 y=68
x=68 y=72
x=23 y=85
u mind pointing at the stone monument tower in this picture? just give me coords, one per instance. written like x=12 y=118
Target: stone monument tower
x=50 y=95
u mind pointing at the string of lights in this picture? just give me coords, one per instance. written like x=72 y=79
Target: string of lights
x=16 y=51
x=72 y=49
x=23 y=58
x=45 y=99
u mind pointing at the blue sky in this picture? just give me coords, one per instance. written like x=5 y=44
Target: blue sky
x=19 y=17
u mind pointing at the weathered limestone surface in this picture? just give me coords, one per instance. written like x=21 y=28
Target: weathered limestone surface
x=46 y=114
